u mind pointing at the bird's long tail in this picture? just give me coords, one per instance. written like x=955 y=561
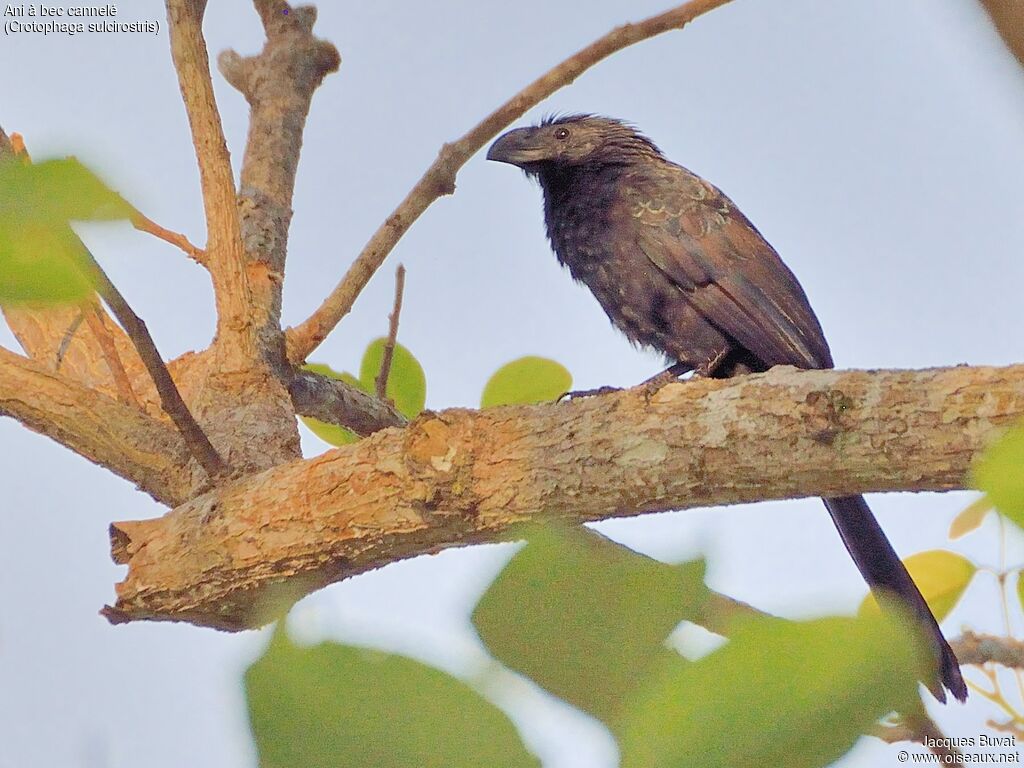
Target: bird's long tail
x=882 y=570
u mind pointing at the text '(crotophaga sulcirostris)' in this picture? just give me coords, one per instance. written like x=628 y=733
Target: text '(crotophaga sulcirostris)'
x=678 y=268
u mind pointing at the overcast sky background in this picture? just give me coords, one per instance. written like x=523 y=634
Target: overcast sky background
x=879 y=145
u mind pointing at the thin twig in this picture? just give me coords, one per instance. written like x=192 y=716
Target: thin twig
x=197 y=441
x=439 y=178
x=69 y=335
x=94 y=319
x=1010 y=726
x=389 y=345
x=977 y=649
x=145 y=224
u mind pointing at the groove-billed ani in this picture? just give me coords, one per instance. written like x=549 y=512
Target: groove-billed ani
x=678 y=268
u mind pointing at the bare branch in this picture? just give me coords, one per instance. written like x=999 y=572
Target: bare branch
x=389 y=345
x=145 y=224
x=278 y=84
x=1010 y=726
x=923 y=730
x=173 y=405
x=439 y=178
x=971 y=648
x=337 y=402
x=121 y=438
x=69 y=334
x=461 y=477
x=94 y=320
x=224 y=253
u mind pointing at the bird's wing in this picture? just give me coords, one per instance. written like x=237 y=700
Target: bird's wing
x=694 y=235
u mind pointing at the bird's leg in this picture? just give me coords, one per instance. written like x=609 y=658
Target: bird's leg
x=673 y=372
x=578 y=393
x=653 y=384
x=667 y=376
x=707 y=369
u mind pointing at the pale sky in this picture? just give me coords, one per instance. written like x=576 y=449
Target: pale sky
x=878 y=145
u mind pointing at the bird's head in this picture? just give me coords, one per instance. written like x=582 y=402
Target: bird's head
x=572 y=140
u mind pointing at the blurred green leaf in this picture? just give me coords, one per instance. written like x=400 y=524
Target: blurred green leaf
x=56 y=191
x=526 y=381
x=584 y=617
x=1000 y=474
x=39 y=253
x=332 y=705
x=407 y=384
x=778 y=693
x=39 y=264
x=330 y=433
x=940 y=575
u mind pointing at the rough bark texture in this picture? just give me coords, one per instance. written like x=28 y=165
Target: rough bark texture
x=147 y=452
x=465 y=476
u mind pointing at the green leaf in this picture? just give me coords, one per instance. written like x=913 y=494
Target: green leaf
x=56 y=191
x=39 y=264
x=1020 y=589
x=330 y=433
x=332 y=705
x=585 y=617
x=942 y=577
x=407 y=384
x=970 y=518
x=1000 y=474
x=778 y=693
x=39 y=253
x=526 y=381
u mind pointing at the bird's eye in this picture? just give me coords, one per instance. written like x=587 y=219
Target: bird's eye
x=562 y=133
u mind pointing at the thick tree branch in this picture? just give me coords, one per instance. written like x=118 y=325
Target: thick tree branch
x=462 y=476
x=121 y=438
x=224 y=253
x=278 y=84
x=439 y=178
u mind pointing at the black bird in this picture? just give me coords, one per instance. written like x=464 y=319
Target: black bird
x=678 y=268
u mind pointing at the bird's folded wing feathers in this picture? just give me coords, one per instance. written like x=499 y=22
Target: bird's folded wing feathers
x=732 y=276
